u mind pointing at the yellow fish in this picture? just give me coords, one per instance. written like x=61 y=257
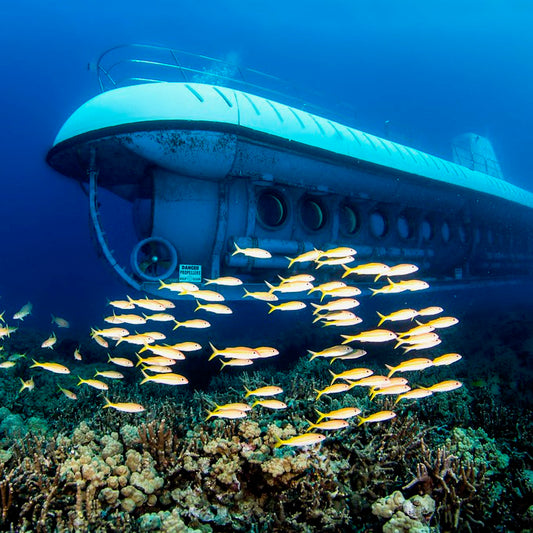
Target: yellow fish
x=195 y=323
x=429 y=311
x=178 y=286
x=335 y=261
x=157 y=369
x=297 y=277
x=218 y=309
x=422 y=345
x=414 y=394
x=342 y=304
x=110 y=333
x=127 y=319
x=339 y=414
x=418 y=339
x=372 y=269
x=332 y=351
x=120 y=361
x=372 y=381
x=122 y=304
x=139 y=339
x=238 y=406
x=381 y=416
x=352 y=374
x=111 y=374
x=443 y=322
x=166 y=351
x=261 y=295
x=207 y=295
x=347 y=291
x=94 y=383
x=257 y=253
x=342 y=323
x=226 y=281
x=69 y=394
x=330 y=285
x=446 y=359
x=101 y=341
x=270 y=404
x=328 y=425
x=226 y=413
x=311 y=255
x=334 y=389
x=77 y=354
x=30 y=385
x=156 y=360
x=403 y=269
x=355 y=354
x=287 y=306
x=50 y=341
x=187 y=346
x=7 y=364
x=390 y=391
x=410 y=366
x=126 y=407
x=402 y=314
x=234 y=352
x=269 y=390
x=373 y=335
x=306 y=439
x=413 y=285
x=341 y=251
x=146 y=303
x=335 y=315
x=165 y=379
x=266 y=351
x=56 y=368
x=290 y=286
x=236 y=362
x=416 y=331
x=444 y=386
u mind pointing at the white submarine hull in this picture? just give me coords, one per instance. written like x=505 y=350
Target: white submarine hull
x=207 y=166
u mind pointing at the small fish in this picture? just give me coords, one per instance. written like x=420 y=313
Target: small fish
x=410 y=366
x=110 y=374
x=342 y=323
x=140 y=339
x=443 y=322
x=238 y=406
x=339 y=414
x=372 y=269
x=147 y=303
x=122 y=304
x=218 y=309
x=335 y=261
x=29 y=384
x=126 y=407
x=60 y=322
x=336 y=388
x=101 y=341
x=16 y=356
x=266 y=351
x=49 y=342
x=234 y=352
x=306 y=439
x=335 y=315
x=270 y=404
x=298 y=277
x=391 y=288
x=402 y=314
x=328 y=286
x=69 y=394
x=95 y=383
x=236 y=362
x=167 y=304
x=414 y=394
x=416 y=331
x=329 y=425
x=257 y=253
x=129 y=319
x=355 y=354
x=187 y=346
x=372 y=381
x=208 y=296
x=290 y=286
x=156 y=335
x=347 y=291
x=422 y=345
x=417 y=339
x=342 y=304
x=446 y=359
x=332 y=351
x=373 y=335
x=77 y=354
x=430 y=311
x=226 y=281
x=269 y=390
x=352 y=374
x=403 y=269
x=23 y=312
x=444 y=386
x=380 y=416
x=156 y=360
x=110 y=333
x=178 y=286
x=341 y=251
x=390 y=391
x=413 y=285
x=226 y=413
x=7 y=364
x=311 y=255
x=287 y=306
x=166 y=351
x=196 y=323
x=156 y=369
x=120 y=361
x=165 y=379
x=56 y=368
x=261 y=295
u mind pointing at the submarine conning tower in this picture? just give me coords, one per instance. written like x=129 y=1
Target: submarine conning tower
x=209 y=158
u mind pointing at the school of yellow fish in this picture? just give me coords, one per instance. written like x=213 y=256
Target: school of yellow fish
x=335 y=309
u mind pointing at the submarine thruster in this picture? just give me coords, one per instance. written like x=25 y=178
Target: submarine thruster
x=215 y=159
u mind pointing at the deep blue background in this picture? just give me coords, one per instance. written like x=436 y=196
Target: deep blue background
x=433 y=70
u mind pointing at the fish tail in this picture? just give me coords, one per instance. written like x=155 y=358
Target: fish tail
x=129 y=299
x=23 y=385
x=318 y=264
x=145 y=347
x=374 y=292
x=272 y=308
x=291 y=261
x=361 y=421
x=107 y=403
x=248 y=392
x=347 y=339
x=246 y=293
x=255 y=403
x=146 y=377
x=271 y=287
x=139 y=358
x=408 y=349
x=311 y=425
x=312 y=356
x=281 y=279
x=81 y=381
x=392 y=370
x=382 y=317
x=399 y=343
x=335 y=376
x=224 y=363
x=322 y=296
x=397 y=399
x=198 y=306
x=333 y=359
x=162 y=285
x=319 y=393
x=237 y=249
x=209 y=414
x=373 y=394
x=178 y=324
x=208 y=281
x=53 y=318
x=35 y=363
x=320 y=416
x=279 y=442
x=317 y=319
x=377 y=277
x=215 y=352
x=94 y=333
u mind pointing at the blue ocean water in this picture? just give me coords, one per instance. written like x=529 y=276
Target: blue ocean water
x=413 y=72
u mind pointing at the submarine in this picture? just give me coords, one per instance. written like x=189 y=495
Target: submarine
x=212 y=155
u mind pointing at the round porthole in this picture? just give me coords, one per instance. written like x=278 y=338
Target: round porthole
x=445 y=232
x=426 y=230
x=404 y=227
x=313 y=213
x=378 y=224
x=271 y=208
x=348 y=221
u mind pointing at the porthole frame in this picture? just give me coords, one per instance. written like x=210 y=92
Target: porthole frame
x=283 y=200
x=324 y=213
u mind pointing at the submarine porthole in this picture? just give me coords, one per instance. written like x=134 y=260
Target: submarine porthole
x=426 y=230
x=404 y=227
x=378 y=224
x=271 y=209
x=313 y=214
x=445 y=231
x=348 y=220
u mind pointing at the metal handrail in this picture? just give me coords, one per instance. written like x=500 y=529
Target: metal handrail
x=134 y=64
